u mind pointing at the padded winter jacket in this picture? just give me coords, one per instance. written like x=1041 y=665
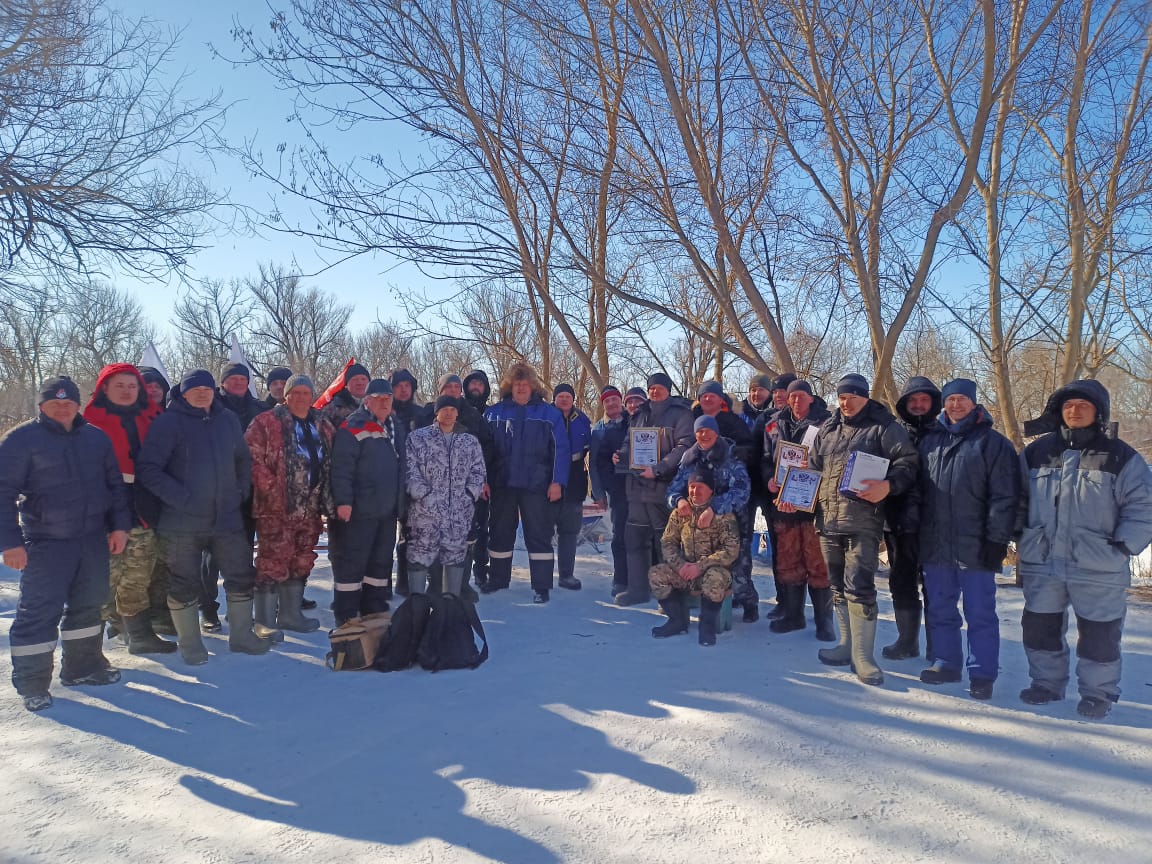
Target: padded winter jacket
x=607 y=437
x=67 y=482
x=873 y=430
x=368 y=466
x=673 y=417
x=579 y=431
x=530 y=445
x=730 y=494
x=1086 y=511
x=246 y=408
x=903 y=511
x=197 y=463
x=280 y=477
x=969 y=490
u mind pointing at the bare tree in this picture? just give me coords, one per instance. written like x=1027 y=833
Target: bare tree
x=90 y=135
x=99 y=325
x=205 y=319
x=294 y=325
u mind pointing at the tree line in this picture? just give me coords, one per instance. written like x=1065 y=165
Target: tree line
x=701 y=186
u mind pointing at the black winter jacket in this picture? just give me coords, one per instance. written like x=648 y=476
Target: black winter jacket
x=197 y=463
x=673 y=417
x=970 y=486
x=245 y=407
x=68 y=483
x=369 y=466
x=873 y=430
x=784 y=427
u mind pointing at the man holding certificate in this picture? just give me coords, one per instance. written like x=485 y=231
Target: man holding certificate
x=969 y=492
x=787 y=439
x=658 y=434
x=861 y=437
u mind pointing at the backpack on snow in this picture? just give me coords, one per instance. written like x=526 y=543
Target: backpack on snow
x=448 y=641
x=356 y=642
x=398 y=650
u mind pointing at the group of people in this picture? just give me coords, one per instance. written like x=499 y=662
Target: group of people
x=132 y=509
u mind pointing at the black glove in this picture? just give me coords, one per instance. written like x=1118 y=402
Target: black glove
x=992 y=556
x=1119 y=544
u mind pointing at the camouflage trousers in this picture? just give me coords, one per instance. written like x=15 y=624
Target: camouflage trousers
x=286 y=547
x=130 y=575
x=713 y=582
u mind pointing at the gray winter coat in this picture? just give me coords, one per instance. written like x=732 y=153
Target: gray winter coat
x=445 y=478
x=969 y=490
x=1087 y=504
x=873 y=430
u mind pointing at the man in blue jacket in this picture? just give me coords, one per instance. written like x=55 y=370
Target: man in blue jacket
x=1087 y=509
x=368 y=473
x=608 y=481
x=195 y=460
x=969 y=492
x=64 y=509
x=570 y=507
x=530 y=470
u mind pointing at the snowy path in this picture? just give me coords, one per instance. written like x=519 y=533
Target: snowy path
x=581 y=740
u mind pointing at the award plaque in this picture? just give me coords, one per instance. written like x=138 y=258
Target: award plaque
x=789 y=455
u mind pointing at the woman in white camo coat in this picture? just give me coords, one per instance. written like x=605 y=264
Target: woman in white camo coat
x=445 y=478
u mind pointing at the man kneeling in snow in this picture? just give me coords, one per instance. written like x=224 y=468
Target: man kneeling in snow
x=699 y=550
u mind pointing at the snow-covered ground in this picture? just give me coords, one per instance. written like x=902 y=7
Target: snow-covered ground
x=581 y=740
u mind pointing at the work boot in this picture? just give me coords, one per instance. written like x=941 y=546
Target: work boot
x=541 y=596
x=38 y=701
x=264 y=605
x=675 y=606
x=241 y=638
x=631 y=598
x=841 y=655
x=141 y=637
x=211 y=620
x=907 y=644
x=751 y=612
x=1093 y=708
x=792 y=599
x=822 y=614
x=82 y=661
x=941 y=673
x=864 y=643
x=288 y=616
x=981 y=688
x=186 y=620
x=1034 y=695
x=569 y=582
x=709 y=616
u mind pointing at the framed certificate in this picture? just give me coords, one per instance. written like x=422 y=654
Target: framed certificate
x=789 y=455
x=800 y=488
x=643 y=447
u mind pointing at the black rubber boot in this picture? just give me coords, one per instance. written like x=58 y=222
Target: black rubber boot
x=822 y=613
x=907 y=644
x=792 y=599
x=141 y=638
x=778 y=609
x=675 y=606
x=709 y=617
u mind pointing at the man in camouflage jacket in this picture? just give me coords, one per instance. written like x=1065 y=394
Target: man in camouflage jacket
x=698 y=550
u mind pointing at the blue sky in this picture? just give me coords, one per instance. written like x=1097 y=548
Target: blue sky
x=258 y=111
